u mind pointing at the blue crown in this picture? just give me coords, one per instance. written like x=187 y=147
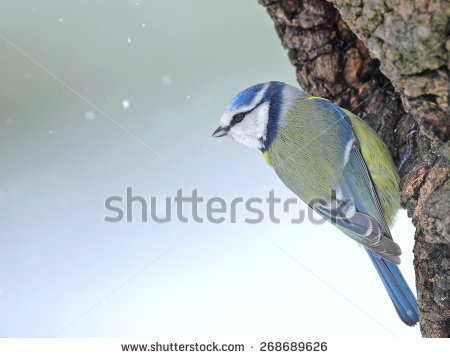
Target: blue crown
x=245 y=97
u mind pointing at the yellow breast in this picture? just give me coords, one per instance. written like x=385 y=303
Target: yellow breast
x=266 y=157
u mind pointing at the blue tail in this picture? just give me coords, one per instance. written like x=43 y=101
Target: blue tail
x=403 y=299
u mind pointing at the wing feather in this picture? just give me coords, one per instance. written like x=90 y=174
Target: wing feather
x=359 y=212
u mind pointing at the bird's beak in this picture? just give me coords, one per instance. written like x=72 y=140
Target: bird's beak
x=220 y=132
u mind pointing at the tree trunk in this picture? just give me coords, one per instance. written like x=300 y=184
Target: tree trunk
x=388 y=62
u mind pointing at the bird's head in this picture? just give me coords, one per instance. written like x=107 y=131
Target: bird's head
x=252 y=117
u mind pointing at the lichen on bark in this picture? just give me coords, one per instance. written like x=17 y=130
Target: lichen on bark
x=411 y=40
x=388 y=62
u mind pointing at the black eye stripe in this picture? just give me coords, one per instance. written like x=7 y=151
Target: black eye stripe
x=238 y=117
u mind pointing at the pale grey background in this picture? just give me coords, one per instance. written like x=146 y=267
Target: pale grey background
x=64 y=271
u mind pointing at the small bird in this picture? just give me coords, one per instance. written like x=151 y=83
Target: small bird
x=334 y=162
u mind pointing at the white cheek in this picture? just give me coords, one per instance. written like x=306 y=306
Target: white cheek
x=259 y=119
x=252 y=130
x=242 y=138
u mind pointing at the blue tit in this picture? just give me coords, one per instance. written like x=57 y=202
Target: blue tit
x=333 y=161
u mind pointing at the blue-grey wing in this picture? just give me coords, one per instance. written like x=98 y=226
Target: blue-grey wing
x=354 y=206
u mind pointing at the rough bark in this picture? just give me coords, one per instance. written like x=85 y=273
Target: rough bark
x=388 y=62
